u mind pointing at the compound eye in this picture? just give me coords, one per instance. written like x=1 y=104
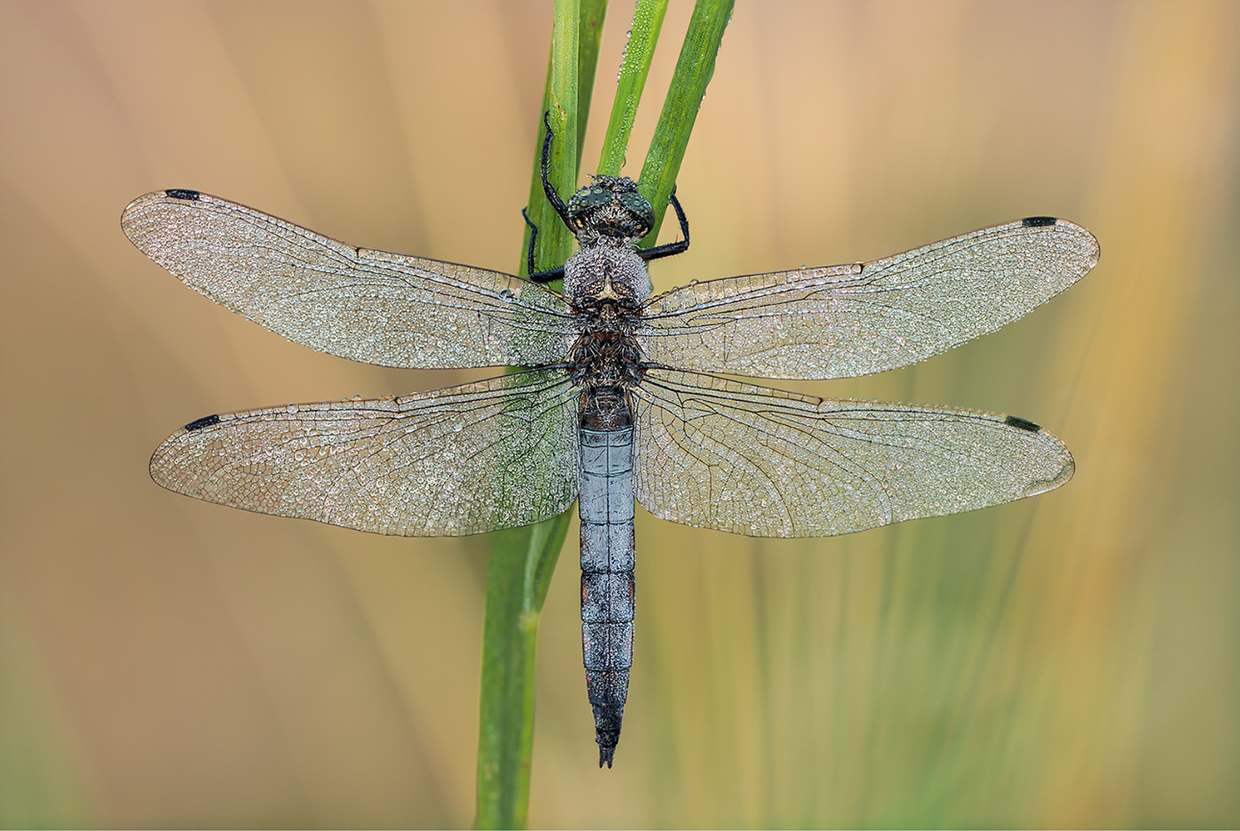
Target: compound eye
x=591 y=197
x=637 y=205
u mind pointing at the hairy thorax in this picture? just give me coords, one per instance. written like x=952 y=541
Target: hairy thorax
x=601 y=260
x=606 y=283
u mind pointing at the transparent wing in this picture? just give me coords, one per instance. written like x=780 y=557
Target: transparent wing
x=848 y=320
x=715 y=453
x=463 y=460
x=371 y=306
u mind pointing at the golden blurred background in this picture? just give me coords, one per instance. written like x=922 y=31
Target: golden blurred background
x=1071 y=660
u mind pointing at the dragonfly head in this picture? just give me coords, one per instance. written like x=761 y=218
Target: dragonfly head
x=610 y=207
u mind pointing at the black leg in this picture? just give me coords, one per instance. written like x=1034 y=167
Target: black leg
x=529 y=263
x=678 y=247
x=532 y=274
x=548 y=188
x=548 y=276
x=556 y=202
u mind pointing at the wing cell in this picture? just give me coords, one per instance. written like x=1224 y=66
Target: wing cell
x=366 y=305
x=848 y=320
x=463 y=460
x=715 y=453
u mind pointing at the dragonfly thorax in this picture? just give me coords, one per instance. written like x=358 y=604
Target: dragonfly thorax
x=606 y=357
x=606 y=285
x=608 y=270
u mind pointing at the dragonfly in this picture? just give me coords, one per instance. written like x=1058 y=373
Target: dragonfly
x=621 y=395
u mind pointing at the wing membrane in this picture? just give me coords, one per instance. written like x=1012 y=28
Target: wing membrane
x=371 y=306
x=848 y=320
x=463 y=460
x=715 y=453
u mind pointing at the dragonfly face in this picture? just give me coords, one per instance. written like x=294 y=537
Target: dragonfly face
x=610 y=207
x=617 y=402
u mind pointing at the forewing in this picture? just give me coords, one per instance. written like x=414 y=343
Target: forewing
x=848 y=320
x=715 y=453
x=463 y=460
x=372 y=306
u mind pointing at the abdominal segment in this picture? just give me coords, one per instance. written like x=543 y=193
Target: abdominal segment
x=607 y=559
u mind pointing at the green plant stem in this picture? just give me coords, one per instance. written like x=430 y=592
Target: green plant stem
x=693 y=72
x=643 y=35
x=518 y=575
x=590 y=37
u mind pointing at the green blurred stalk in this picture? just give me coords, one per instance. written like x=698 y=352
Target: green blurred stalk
x=523 y=560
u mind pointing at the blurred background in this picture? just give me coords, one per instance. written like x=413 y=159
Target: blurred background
x=1070 y=660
